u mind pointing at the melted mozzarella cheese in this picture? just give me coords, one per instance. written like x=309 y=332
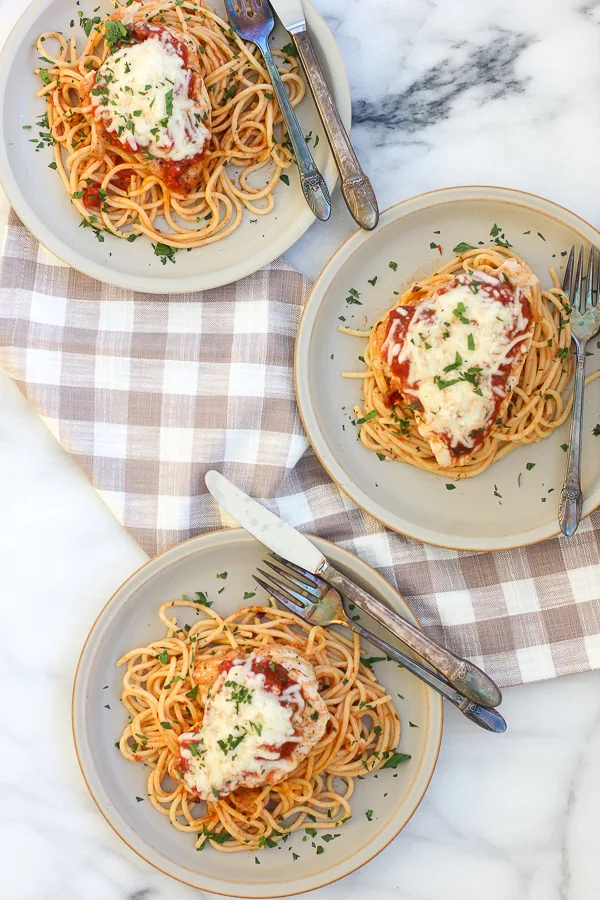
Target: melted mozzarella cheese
x=243 y=730
x=463 y=331
x=141 y=93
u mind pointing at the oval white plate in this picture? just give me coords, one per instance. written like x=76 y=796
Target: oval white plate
x=39 y=199
x=406 y=499
x=130 y=619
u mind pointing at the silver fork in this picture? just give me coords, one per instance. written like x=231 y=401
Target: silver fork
x=253 y=21
x=585 y=323
x=311 y=598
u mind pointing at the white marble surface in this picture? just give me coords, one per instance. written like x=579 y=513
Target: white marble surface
x=445 y=93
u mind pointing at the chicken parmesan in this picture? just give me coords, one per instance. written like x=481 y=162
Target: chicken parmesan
x=263 y=715
x=457 y=354
x=254 y=726
x=149 y=95
x=164 y=123
x=468 y=364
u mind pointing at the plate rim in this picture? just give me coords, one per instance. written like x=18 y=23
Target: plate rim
x=433 y=701
x=332 y=267
x=74 y=258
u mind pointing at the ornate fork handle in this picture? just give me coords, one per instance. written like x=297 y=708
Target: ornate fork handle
x=313 y=184
x=571 y=498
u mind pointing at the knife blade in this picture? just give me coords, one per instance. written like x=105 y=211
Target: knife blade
x=356 y=188
x=295 y=547
x=291 y=14
x=265 y=526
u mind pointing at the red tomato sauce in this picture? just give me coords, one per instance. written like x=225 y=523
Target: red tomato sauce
x=277 y=677
x=91 y=197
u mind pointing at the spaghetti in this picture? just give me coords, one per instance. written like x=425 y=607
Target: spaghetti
x=161 y=693
x=535 y=408
x=128 y=192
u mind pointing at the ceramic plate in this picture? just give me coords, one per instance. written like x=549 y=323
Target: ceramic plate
x=130 y=619
x=38 y=196
x=511 y=504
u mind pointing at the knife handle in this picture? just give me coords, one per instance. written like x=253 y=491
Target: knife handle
x=490 y=719
x=357 y=189
x=460 y=673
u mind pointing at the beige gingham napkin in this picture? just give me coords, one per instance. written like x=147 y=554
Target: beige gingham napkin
x=147 y=393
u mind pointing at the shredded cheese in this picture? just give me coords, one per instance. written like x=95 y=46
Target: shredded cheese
x=243 y=727
x=141 y=93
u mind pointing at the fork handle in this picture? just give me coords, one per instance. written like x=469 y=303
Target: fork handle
x=313 y=184
x=571 y=498
x=357 y=189
x=460 y=673
x=490 y=719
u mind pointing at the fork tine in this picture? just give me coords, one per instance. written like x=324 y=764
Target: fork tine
x=297 y=596
x=589 y=281
x=304 y=573
x=285 y=601
x=568 y=276
x=295 y=579
x=577 y=301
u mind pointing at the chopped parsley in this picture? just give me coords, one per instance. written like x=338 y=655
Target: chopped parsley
x=165 y=252
x=462 y=247
x=395 y=760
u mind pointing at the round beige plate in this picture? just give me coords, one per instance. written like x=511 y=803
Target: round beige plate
x=515 y=501
x=37 y=194
x=130 y=619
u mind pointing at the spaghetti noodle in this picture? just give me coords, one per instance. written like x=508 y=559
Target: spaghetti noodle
x=535 y=408
x=161 y=693
x=129 y=193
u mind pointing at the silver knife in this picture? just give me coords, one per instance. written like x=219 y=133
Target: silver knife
x=284 y=540
x=357 y=189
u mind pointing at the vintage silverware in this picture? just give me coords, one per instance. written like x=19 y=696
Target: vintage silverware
x=294 y=547
x=357 y=189
x=253 y=21
x=585 y=323
x=314 y=600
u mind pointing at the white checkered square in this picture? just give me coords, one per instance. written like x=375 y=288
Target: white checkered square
x=180 y=377
x=436 y=553
x=247 y=380
x=592 y=647
x=176 y=444
x=295 y=509
x=455 y=607
x=521 y=596
x=43 y=366
x=47 y=309
x=112 y=372
x=184 y=318
x=585 y=583
x=116 y=315
x=241 y=446
x=110 y=440
x=173 y=512
x=535 y=663
x=45 y=258
x=251 y=318
x=375 y=550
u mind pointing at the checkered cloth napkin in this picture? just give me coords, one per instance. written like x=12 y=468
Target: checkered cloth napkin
x=148 y=393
